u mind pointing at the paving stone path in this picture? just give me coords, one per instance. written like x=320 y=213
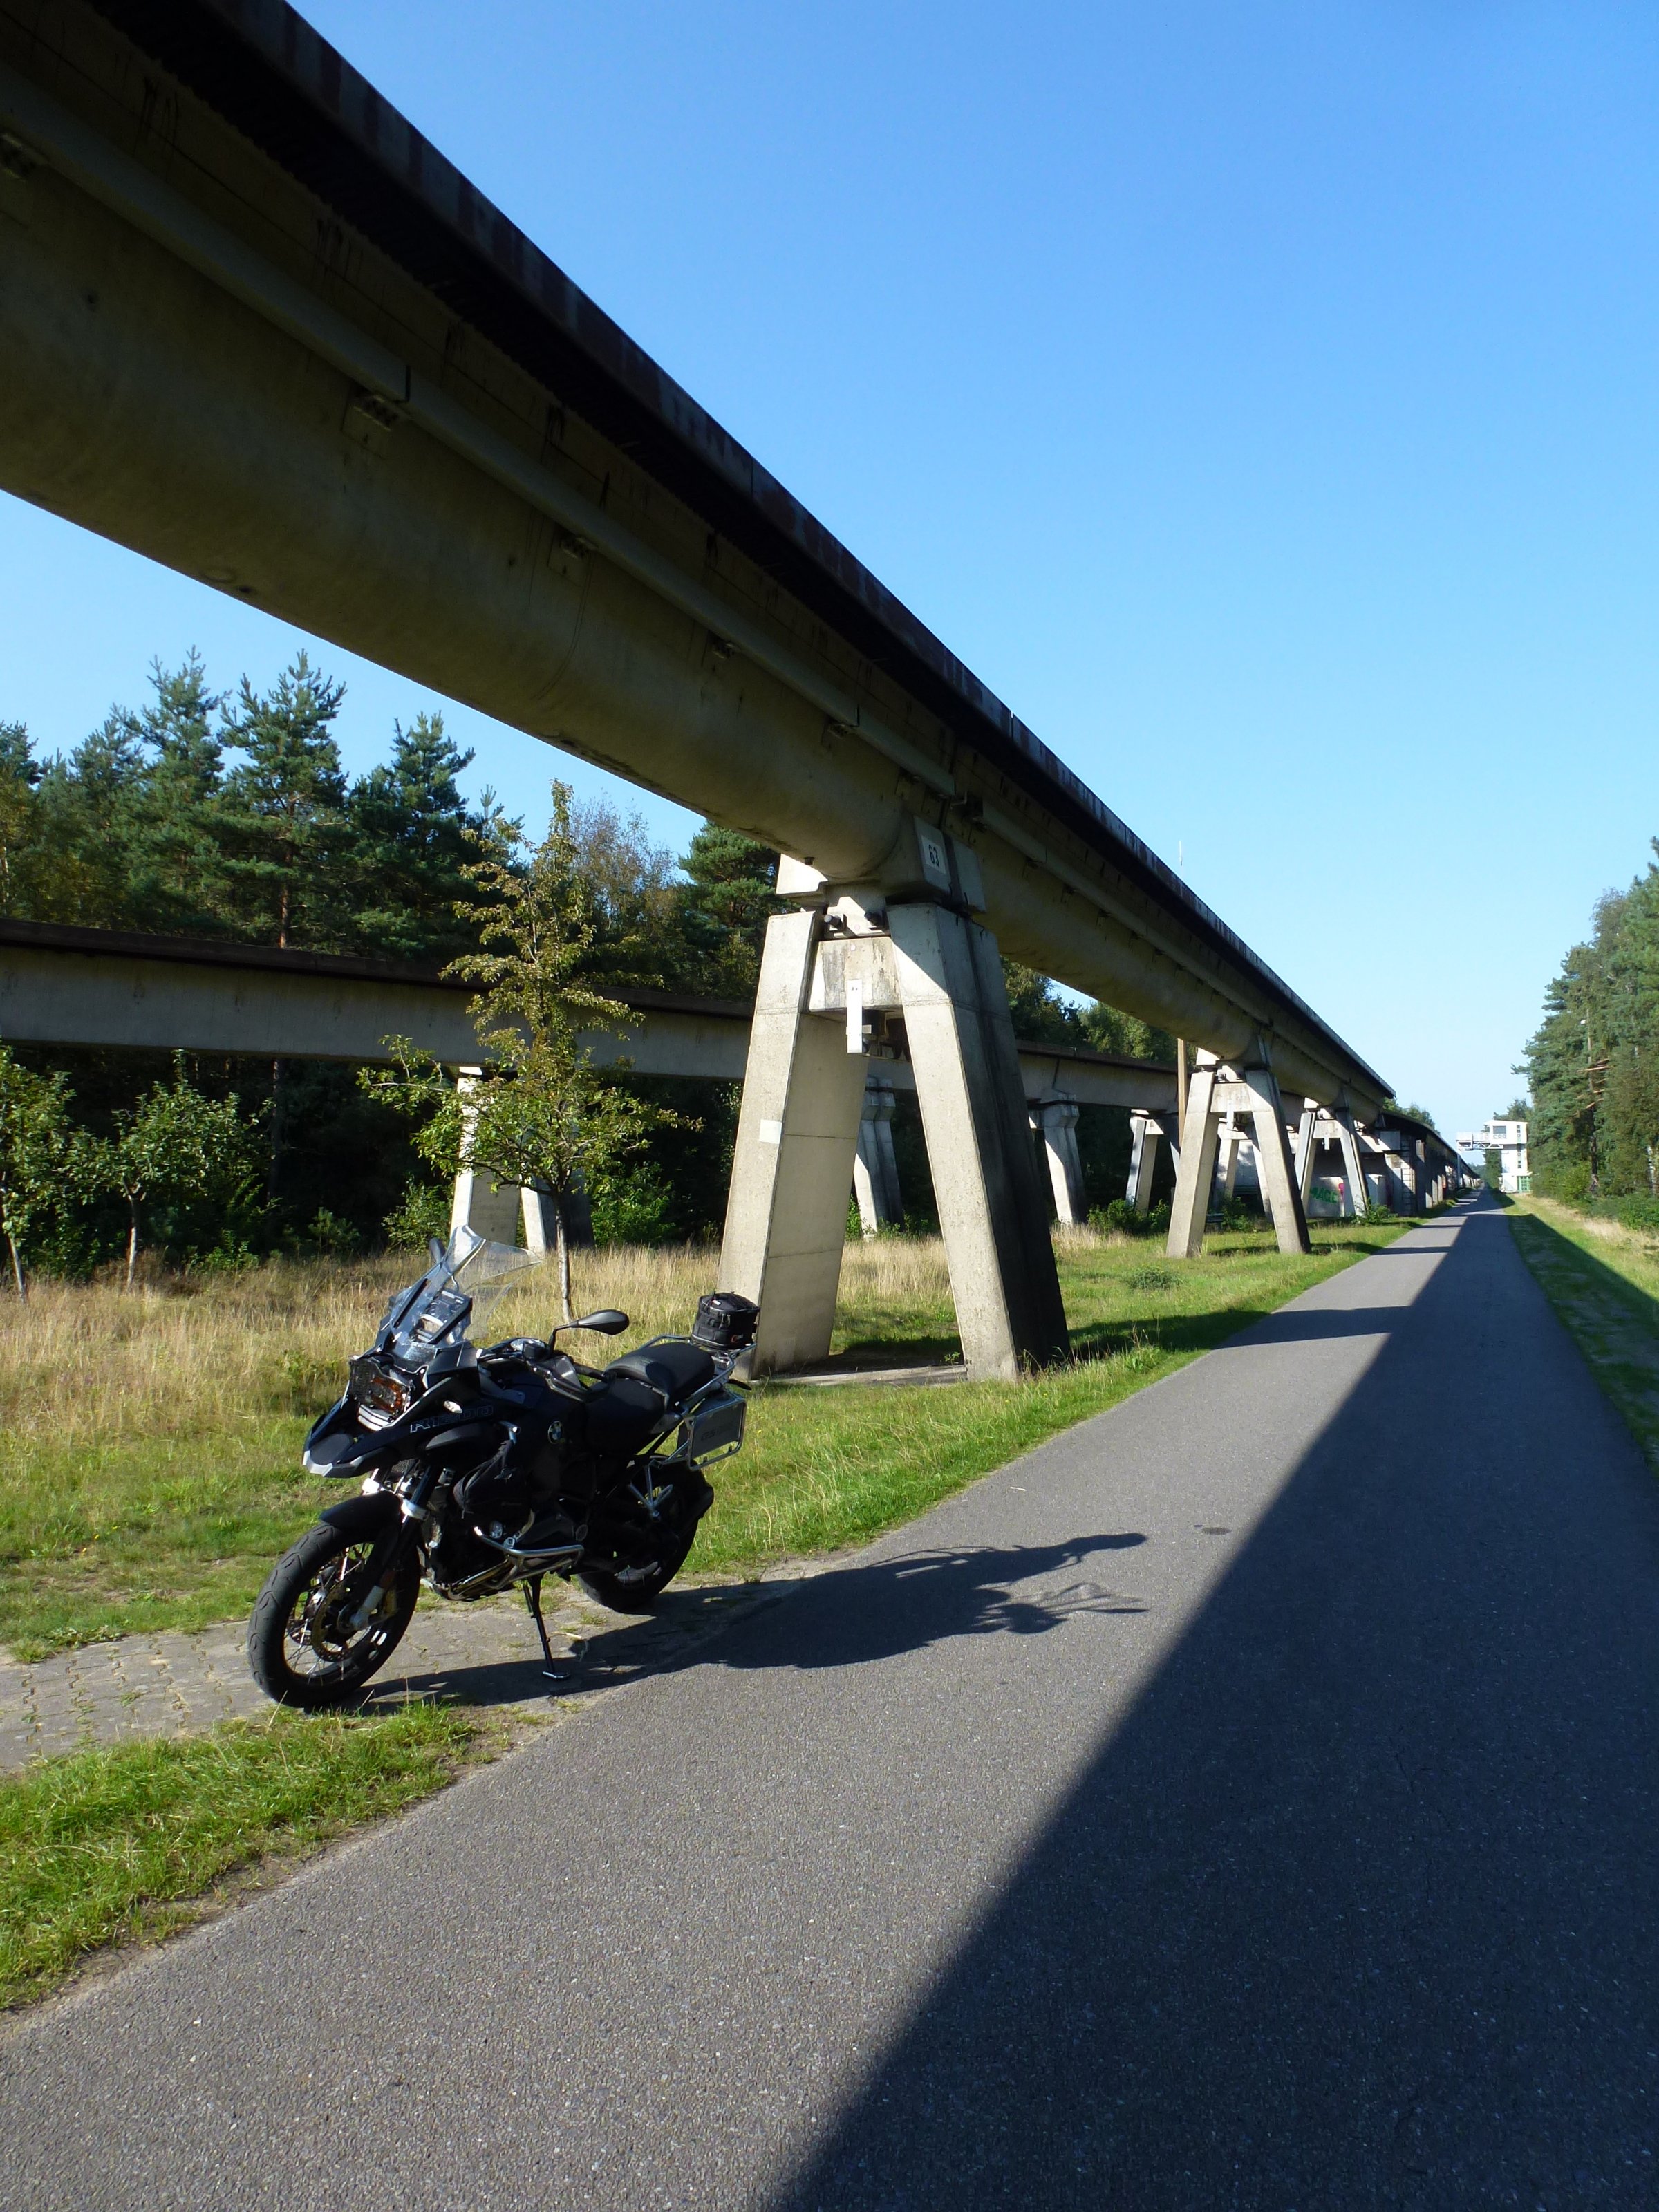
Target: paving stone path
x=484 y=1654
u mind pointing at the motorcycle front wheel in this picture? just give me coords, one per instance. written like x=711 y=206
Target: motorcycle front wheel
x=301 y=1646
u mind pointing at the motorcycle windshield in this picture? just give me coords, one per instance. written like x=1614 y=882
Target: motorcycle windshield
x=453 y=1299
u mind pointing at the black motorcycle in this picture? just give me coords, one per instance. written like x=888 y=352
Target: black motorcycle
x=483 y=1468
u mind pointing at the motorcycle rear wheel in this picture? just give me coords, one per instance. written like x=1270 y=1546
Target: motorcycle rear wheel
x=636 y=1589
x=301 y=1648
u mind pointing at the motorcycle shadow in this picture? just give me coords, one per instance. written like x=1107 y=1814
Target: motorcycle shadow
x=866 y=1611
x=874 y=1610
x=456 y=1655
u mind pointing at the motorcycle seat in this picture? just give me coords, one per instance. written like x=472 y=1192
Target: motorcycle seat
x=676 y=1370
x=622 y=1415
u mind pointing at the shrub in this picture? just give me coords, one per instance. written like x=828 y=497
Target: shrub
x=420 y=1212
x=633 y=1205
x=334 y=1238
x=1122 y=1219
x=1237 y=1213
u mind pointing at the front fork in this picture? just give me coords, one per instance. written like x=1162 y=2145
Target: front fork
x=406 y=1537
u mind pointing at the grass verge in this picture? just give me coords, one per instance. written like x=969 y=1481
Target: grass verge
x=121 y=1844
x=184 y=1491
x=1603 y=1278
x=150 y=1440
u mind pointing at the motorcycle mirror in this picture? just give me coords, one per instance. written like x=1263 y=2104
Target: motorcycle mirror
x=608 y=1322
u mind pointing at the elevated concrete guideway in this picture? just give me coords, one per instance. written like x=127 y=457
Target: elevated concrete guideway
x=257 y=327
x=66 y=986
x=253 y=325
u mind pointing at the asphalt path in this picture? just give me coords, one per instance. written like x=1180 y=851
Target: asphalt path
x=1248 y=1799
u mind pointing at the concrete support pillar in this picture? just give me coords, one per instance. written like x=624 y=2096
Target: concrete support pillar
x=961 y=1042
x=1231 y=1138
x=1405 y=1167
x=875 y=1168
x=1306 y=1147
x=1056 y=1117
x=786 y=1215
x=538 y=1224
x=1353 y=1164
x=1201 y=1140
x=476 y=1203
x=1200 y=1136
x=1281 y=1192
x=513 y=1214
x=1145 y=1133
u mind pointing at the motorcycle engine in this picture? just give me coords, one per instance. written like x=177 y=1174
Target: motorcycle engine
x=504 y=1495
x=458 y=1557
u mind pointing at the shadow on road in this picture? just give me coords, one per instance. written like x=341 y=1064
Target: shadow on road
x=875 y=1610
x=1355 y=1909
x=882 y=1608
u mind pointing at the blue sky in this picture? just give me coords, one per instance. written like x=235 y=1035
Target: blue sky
x=1260 y=399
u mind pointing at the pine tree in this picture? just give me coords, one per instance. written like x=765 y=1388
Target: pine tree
x=409 y=825
x=83 y=822
x=19 y=776
x=723 y=907
x=286 y=831
x=176 y=858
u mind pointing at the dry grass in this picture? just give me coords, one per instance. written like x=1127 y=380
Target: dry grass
x=148 y=1440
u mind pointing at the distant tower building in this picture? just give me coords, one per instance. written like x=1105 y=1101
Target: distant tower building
x=1508 y=1140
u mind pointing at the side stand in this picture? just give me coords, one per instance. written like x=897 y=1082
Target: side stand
x=533 y=1598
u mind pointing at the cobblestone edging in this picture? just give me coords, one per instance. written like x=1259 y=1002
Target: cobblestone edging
x=484 y=1654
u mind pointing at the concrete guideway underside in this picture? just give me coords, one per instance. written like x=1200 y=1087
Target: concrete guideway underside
x=253 y=325
x=204 y=358
x=1251 y=1797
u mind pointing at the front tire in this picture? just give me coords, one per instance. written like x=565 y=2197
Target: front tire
x=302 y=1648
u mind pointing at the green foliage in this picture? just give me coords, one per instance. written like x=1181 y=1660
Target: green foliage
x=1594 y=1061
x=335 y=1239
x=41 y=1157
x=1123 y=1218
x=634 y=1205
x=1106 y=1030
x=723 y=908
x=541 y=1113
x=174 y=1143
x=1041 y=1016
x=1239 y=1213
x=422 y=1212
x=144 y=826
x=408 y=826
x=110 y=1843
